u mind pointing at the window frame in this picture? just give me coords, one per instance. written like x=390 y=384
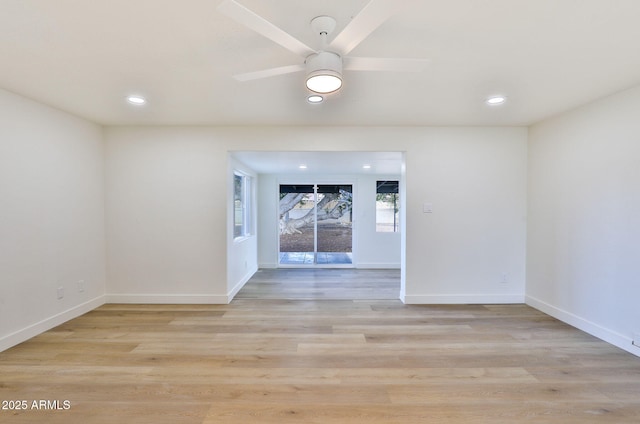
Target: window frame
x=244 y=212
x=390 y=187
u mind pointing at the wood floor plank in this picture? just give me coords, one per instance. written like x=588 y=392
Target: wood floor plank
x=482 y=413
x=320 y=361
x=312 y=283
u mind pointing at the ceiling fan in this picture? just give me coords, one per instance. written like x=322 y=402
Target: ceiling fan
x=324 y=66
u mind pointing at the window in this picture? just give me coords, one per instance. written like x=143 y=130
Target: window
x=241 y=205
x=387 y=207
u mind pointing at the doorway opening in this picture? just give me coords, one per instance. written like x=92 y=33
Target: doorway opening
x=315 y=225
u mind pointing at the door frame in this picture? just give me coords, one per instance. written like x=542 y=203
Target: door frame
x=316 y=181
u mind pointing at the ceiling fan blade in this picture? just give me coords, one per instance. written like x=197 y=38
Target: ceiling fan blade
x=266 y=73
x=364 y=23
x=384 y=64
x=263 y=27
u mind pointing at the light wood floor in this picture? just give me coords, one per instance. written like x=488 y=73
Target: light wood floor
x=320 y=361
x=323 y=283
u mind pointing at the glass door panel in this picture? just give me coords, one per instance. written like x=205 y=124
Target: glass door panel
x=316 y=224
x=334 y=225
x=297 y=224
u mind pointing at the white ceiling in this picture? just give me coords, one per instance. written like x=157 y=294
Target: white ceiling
x=336 y=163
x=547 y=56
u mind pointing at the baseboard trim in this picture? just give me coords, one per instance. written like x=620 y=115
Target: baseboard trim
x=360 y=265
x=49 y=323
x=357 y=265
x=234 y=291
x=605 y=334
x=180 y=299
x=455 y=299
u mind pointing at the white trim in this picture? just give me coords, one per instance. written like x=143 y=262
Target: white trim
x=605 y=334
x=47 y=324
x=378 y=266
x=316 y=266
x=241 y=239
x=181 y=299
x=247 y=206
x=457 y=299
x=234 y=291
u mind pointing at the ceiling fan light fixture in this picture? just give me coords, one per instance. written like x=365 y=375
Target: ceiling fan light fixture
x=324 y=82
x=324 y=72
x=322 y=65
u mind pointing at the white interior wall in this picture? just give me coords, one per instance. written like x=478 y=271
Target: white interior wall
x=403 y=226
x=374 y=249
x=51 y=218
x=242 y=253
x=166 y=198
x=584 y=218
x=371 y=249
x=471 y=248
x=267 y=215
x=166 y=228
x=165 y=221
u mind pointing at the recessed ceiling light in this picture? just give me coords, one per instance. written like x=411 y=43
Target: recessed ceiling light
x=366 y=166
x=314 y=98
x=136 y=100
x=496 y=100
x=303 y=166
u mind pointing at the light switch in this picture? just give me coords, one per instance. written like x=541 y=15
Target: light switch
x=427 y=207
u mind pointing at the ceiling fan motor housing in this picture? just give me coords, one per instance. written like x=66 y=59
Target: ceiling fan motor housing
x=324 y=72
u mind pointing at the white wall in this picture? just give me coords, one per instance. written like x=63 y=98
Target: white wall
x=371 y=249
x=166 y=229
x=374 y=249
x=242 y=253
x=583 y=259
x=475 y=180
x=166 y=192
x=51 y=218
x=267 y=216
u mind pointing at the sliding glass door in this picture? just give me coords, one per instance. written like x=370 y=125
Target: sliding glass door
x=334 y=229
x=316 y=224
x=297 y=224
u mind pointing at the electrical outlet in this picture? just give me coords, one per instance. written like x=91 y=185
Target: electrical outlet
x=505 y=278
x=80 y=286
x=60 y=292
